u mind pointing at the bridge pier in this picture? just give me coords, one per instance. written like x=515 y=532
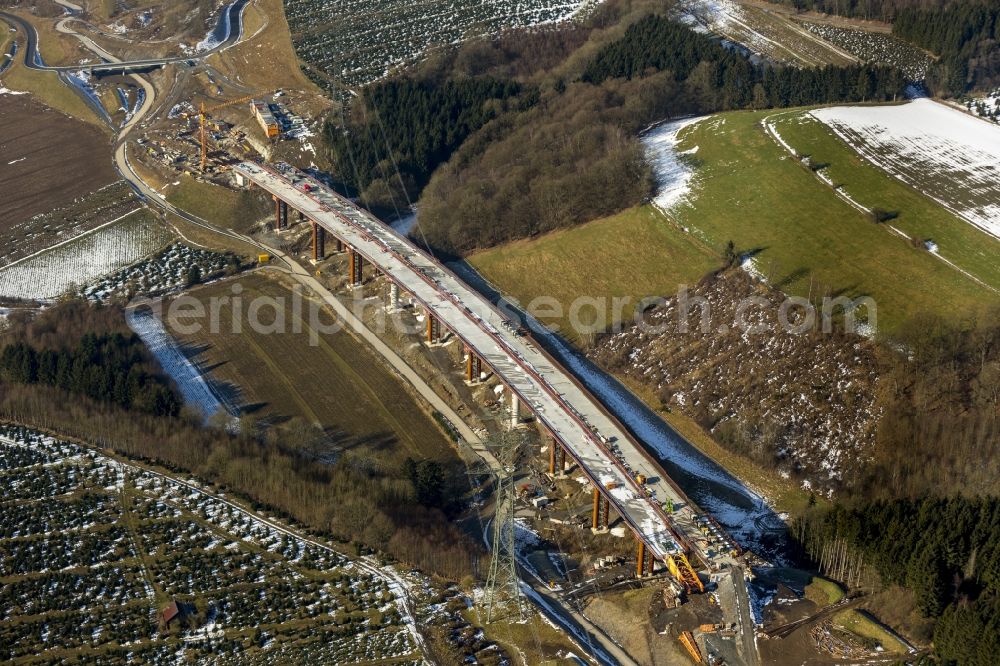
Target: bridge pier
x=355 y=268
x=515 y=410
x=393 y=297
x=600 y=515
x=340 y=246
x=433 y=329
x=473 y=367
x=318 y=242
x=644 y=560
x=557 y=459
x=280 y=214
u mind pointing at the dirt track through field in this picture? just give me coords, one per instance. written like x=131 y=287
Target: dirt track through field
x=47 y=159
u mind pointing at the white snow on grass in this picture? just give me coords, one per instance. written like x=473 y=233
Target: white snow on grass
x=192 y=385
x=948 y=155
x=673 y=174
x=52 y=272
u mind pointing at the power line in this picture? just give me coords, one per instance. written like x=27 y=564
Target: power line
x=503 y=591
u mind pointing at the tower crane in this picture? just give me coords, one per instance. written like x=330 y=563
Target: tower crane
x=203 y=112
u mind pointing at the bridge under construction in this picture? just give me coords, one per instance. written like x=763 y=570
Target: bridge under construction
x=669 y=531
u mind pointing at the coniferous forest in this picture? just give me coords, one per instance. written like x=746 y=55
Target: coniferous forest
x=947 y=551
x=656 y=44
x=109 y=368
x=423 y=122
x=965 y=35
x=86 y=351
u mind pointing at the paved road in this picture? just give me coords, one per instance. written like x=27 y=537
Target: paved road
x=33 y=59
x=748 y=642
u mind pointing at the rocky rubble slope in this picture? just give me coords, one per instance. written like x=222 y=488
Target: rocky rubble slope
x=804 y=401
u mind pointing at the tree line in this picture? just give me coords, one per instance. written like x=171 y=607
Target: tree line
x=869 y=10
x=947 y=551
x=109 y=368
x=656 y=43
x=966 y=36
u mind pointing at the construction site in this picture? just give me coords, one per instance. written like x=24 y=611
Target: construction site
x=582 y=519
x=205 y=139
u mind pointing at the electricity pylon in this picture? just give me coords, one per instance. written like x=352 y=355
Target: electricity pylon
x=503 y=591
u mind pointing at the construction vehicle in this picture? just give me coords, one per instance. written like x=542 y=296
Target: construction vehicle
x=263 y=258
x=640 y=479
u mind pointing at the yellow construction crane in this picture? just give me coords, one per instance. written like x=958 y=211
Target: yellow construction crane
x=203 y=112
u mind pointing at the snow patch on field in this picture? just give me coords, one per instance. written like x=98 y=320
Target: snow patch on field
x=673 y=173
x=192 y=385
x=52 y=272
x=946 y=154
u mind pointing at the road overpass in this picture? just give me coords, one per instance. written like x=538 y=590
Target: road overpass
x=578 y=424
x=231 y=20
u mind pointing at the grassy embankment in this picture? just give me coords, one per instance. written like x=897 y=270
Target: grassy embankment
x=337 y=383
x=218 y=205
x=918 y=216
x=861 y=624
x=631 y=255
x=6 y=37
x=530 y=643
x=749 y=190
